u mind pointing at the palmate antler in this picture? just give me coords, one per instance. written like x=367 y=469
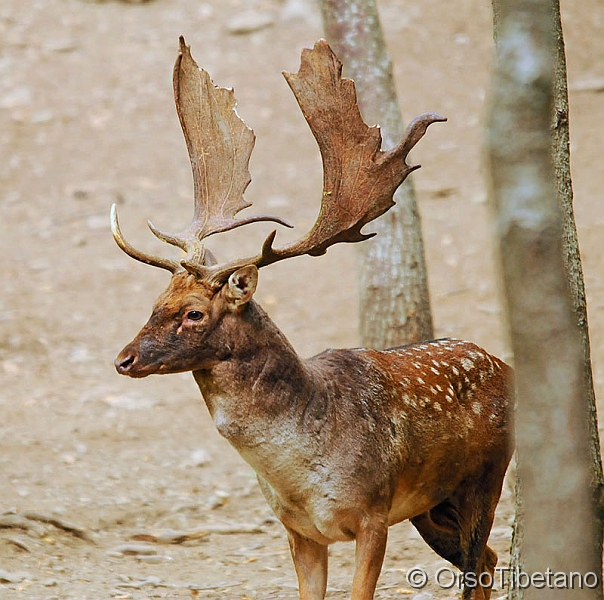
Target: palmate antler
x=219 y=145
x=358 y=183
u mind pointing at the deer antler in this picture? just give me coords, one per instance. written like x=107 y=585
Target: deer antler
x=219 y=145
x=359 y=178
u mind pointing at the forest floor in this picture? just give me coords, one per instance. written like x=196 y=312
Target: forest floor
x=93 y=465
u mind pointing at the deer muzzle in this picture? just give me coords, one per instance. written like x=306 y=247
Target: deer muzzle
x=128 y=362
x=124 y=363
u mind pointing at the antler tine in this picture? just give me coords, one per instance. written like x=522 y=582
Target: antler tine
x=414 y=133
x=219 y=145
x=149 y=259
x=359 y=179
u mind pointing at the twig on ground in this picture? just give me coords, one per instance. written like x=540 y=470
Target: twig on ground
x=28 y=521
x=175 y=536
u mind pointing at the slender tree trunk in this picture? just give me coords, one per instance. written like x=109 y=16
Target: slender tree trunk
x=570 y=244
x=394 y=300
x=560 y=142
x=557 y=525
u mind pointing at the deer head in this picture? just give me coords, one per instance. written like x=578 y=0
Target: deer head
x=359 y=181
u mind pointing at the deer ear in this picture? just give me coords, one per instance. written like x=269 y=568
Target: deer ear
x=241 y=285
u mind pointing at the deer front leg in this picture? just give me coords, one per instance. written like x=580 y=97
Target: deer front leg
x=310 y=562
x=370 y=550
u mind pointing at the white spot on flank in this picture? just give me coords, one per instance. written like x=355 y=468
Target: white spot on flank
x=433 y=390
x=467 y=364
x=455 y=370
x=420 y=381
x=449 y=397
x=477 y=408
x=439 y=388
x=436 y=363
x=437 y=406
x=416 y=365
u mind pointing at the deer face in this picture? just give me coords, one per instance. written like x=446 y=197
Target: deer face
x=187 y=329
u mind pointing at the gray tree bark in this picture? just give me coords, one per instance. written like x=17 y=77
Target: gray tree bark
x=557 y=527
x=572 y=256
x=394 y=299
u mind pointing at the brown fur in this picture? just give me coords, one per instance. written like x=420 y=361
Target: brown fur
x=348 y=442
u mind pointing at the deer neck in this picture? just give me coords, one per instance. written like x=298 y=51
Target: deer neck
x=261 y=380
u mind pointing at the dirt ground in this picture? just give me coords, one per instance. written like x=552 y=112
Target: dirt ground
x=87 y=119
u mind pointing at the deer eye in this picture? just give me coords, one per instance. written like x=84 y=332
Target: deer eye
x=194 y=315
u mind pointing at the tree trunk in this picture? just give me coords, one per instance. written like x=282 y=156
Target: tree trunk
x=572 y=256
x=394 y=300
x=557 y=529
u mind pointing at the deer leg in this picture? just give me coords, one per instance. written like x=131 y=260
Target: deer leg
x=479 y=497
x=310 y=562
x=371 y=541
x=480 y=559
x=439 y=527
x=458 y=529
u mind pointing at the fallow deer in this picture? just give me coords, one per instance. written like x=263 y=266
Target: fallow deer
x=348 y=442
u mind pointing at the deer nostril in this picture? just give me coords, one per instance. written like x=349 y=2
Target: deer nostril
x=123 y=365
